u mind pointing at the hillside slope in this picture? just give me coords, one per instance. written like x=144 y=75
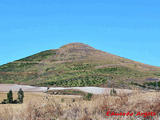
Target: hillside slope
x=76 y=64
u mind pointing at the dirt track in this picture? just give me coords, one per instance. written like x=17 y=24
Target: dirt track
x=94 y=90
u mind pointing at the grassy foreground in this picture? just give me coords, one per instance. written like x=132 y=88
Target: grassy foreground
x=42 y=106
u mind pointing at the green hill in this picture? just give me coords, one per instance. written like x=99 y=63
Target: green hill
x=76 y=64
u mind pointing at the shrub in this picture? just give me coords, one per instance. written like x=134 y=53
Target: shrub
x=10 y=96
x=5 y=101
x=20 y=95
x=62 y=100
x=88 y=96
x=15 y=102
x=113 y=92
x=73 y=100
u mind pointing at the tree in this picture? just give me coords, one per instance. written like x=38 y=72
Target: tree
x=10 y=96
x=20 y=95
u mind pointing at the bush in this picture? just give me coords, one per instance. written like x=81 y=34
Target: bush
x=9 y=98
x=113 y=92
x=88 y=96
x=5 y=101
x=62 y=100
x=15 y=102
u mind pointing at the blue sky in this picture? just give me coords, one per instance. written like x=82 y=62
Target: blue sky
x=128 y=28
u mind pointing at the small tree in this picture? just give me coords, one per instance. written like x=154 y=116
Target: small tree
x=10 y=96
x=20 y=95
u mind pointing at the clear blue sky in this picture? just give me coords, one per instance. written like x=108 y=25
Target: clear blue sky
x=128 y=28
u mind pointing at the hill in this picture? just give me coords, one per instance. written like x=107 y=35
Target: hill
x=77 y=64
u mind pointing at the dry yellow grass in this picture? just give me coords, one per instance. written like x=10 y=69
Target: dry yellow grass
x=35 y=97
x=42 y=106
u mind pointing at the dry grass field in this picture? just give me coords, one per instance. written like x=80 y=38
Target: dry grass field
x=43 y=106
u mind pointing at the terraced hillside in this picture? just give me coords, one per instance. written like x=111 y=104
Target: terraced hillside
x=76 y=64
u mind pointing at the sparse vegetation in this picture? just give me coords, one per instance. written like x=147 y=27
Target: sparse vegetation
x=66 y=92
x=75 y=64
x=50 y=107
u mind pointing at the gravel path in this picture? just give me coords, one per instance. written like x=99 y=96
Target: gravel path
x=27 y=88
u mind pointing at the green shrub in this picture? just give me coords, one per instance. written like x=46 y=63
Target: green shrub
x=62 y=100
x=88 y=96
